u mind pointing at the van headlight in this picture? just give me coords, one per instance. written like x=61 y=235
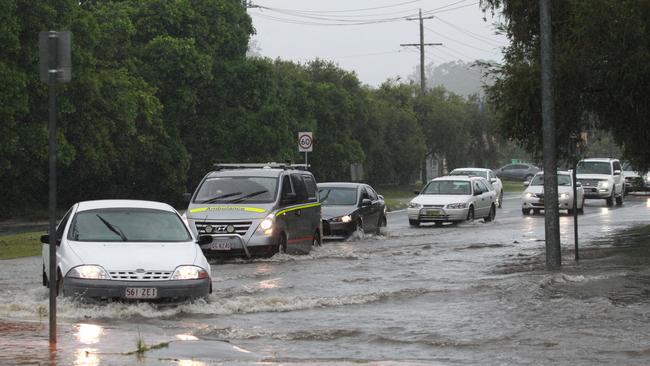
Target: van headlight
x=266 y=226
x=189 y=273
x=89 y=272
x=414 y=205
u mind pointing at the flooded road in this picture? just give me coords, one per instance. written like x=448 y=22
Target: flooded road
x=472 y=293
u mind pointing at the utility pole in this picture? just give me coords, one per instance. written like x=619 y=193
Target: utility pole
x=421 y=46
x=551 y=212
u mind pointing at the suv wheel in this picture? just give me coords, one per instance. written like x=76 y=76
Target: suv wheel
x=619 y=199
x=414 y=223
x=610 y=199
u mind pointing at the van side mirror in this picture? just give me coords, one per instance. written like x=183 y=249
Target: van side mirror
x=493 y=180
x=204 y=239
x=187 y=197
x=366 y=202
x=380 y=197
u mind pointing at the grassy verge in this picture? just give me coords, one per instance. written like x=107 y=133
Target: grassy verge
x=397 y=197
x=20 y=245
x=513 y=186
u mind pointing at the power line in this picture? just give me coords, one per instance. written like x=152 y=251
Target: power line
x=421 y=46
x=457 y=41
x=470 y=33
x=349 y=10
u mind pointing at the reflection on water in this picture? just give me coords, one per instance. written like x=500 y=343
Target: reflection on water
x=647 y=203
x=89 y=333
x=270 y=284
x=86 y=357
x=186 y=337
x=191 y=363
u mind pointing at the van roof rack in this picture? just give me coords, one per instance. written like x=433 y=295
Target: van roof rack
x=269 y=165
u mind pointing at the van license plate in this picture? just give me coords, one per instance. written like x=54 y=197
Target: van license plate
x=141 y=293
x=220 y=245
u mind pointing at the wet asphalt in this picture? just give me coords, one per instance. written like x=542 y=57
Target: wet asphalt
x=466 y=294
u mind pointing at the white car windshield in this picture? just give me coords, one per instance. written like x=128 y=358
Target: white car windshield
x=471 y=173
x=337 y=196
x=459 y=187
x=128 y=225
x=562 y=180
x=237 y=189
x=594 y=167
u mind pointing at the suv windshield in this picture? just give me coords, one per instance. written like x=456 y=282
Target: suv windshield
x=447 y=187
x=333 y=196
x=562 y=180
x=128 y=225
x=594 y=167
x=237 y=189
x=472 y=173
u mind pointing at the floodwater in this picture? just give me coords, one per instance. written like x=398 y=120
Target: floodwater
x=466 y=294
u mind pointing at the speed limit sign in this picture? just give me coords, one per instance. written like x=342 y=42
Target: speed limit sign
x=305 y=142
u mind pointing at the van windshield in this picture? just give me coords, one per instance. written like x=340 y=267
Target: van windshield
x=237 y=189
x=128 y=225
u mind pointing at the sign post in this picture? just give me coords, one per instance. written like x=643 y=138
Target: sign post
x=305 y=144
x=54 y=66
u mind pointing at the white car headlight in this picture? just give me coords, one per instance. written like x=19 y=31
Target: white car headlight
x=414 y=205
x=457 y=205
x=564 y=195
x=647 y=178
x=189 y=273
x=603 y=184
x=529 y=195
x=89 y=272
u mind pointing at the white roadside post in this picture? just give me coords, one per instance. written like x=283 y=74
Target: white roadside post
x=305 y=144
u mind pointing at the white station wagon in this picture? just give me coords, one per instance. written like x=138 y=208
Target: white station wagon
x=127 y=249
x=453 y=199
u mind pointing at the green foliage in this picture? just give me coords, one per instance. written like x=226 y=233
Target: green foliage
x=20 y=245
x=601 y=65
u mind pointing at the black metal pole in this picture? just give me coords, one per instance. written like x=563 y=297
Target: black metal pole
x=575 y=198
x=52 y=48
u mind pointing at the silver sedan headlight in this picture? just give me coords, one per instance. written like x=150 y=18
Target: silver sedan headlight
x=346 y=218
x=457 y=205
x=529 y=195
x=414 y=205
x=564 y=195
x=89 y=273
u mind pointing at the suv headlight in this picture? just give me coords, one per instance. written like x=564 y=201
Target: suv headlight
x=564 y=195
x=603 y=184
x=414 y=205
x=89 y=272
x=189 y=273
x=457 y=205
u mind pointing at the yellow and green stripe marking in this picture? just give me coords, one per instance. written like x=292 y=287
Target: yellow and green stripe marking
x=296 y=208
x=228 y=208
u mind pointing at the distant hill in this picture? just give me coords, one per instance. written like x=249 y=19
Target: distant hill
x=459 y=77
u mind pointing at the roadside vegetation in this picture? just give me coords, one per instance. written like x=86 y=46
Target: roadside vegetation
x=513 y=186
x=397 y=197
x=20 y=245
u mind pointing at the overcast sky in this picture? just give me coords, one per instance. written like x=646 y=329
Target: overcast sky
x=302 y=30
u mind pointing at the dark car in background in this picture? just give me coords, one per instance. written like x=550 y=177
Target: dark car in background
x=521 y=171
x=347 y=208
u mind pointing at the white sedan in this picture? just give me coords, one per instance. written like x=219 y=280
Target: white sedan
x=453 y=199
x=533 y=196
x=484 y=173
x=126 y=249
